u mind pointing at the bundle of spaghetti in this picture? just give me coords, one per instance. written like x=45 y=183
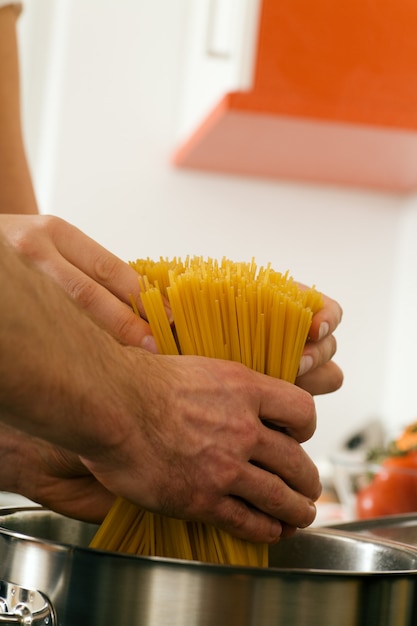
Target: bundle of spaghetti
x=225 y=310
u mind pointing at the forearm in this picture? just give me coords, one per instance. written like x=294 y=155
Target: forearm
x=56 y=365
x=16 y=189
x=50 y=476
x=13 y=453
x=180 y=435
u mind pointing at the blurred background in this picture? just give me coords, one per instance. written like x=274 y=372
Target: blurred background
x=107 y=89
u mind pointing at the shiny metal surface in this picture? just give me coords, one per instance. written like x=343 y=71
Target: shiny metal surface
x=398 y=528
x=317 y=578
x=25 y=607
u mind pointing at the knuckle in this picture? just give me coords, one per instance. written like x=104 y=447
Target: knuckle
x=235 y=517
x=301 y=474
x=307 y=411
x=304 y=425
x=26 y=240
x=295 y=458
x=51 y=223
x=336 y=377
x=330 y=347
x=322 y=351
x=226 y=471
x=305 y=402
x=126 y=327
x=25 y=244
x=83 y=291
x=276 y=495
x=105 y=267
x=198 y=505
x=248 y=435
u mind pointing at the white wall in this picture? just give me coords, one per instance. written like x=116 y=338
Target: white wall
x=101 y=98
x=400 y=389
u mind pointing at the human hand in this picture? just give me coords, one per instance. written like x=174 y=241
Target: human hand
x=51 y=477
x=101 y=283
x=318 y=374
x=183 y=436
x=200 y=447
x=95 y=278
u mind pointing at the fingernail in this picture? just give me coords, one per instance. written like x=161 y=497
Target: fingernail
x=323 y=330
x=312 y=516
x=306 y=363
x=148 y=343
x=169 y=314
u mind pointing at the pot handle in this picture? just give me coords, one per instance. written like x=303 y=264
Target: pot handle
x=21 y=615
x=23 y=607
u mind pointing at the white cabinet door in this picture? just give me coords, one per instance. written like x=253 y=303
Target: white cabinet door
x=219 y=55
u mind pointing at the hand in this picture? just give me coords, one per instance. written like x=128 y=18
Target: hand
x=101 y=283
x=98 y=280
x=51 y=477
x=318 y=374
x=199 y=448
x=180 y=435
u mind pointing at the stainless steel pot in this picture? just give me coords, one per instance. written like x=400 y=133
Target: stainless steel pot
x=49 y=577
x=398 y=528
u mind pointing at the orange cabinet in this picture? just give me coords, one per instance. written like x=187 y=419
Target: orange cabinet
x=333 y=98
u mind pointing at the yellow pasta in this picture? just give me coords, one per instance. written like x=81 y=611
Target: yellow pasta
x=223 y=310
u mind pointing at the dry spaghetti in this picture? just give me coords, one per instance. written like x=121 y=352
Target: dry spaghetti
x=224 y=310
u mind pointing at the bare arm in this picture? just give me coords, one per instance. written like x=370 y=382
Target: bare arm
x=183 y=436
x=16 y=189
x=101 y=283
x=95 y=278
x=51 y=476
x=98 y=282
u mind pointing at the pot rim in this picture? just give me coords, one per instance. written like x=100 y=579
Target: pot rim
x=332 y=531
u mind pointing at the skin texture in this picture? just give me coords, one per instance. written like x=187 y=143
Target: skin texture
x=82 y=485
x=182 y=436
x=16 y=189
x=89 y=410
x=51 y=476
x=100 y=282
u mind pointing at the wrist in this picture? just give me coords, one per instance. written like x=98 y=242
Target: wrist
x=16 y=458
x=61 y=376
